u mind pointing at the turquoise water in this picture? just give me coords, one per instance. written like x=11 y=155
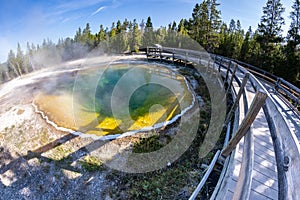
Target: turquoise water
x=116 y=99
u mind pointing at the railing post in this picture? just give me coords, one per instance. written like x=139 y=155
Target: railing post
x=213 y=68
x=238 y=97
x=200 y=58
x=173 y=56
x=258 y=102
x=186 y=58
x=278 y=83
x=220 y=63
x=208 y=64
x=232 y=77
x=160 y=56
x=227 y=72
x=148 y=53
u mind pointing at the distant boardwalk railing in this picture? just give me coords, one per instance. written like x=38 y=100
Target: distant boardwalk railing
x=285 y=142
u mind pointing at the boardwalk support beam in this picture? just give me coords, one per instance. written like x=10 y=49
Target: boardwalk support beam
x=238 y=97
x=258 y=102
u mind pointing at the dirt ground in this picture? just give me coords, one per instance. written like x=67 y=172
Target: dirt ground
x=39 y=162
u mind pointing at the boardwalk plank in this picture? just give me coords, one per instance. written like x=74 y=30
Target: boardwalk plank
x=266 y=180
x=257 y=196
x=264 y=190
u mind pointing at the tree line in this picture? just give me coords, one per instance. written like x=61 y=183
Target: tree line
x=264 y=47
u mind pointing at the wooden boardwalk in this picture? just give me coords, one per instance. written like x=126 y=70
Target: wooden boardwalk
x=264 y=183
x=289 y=114
x=265 y=163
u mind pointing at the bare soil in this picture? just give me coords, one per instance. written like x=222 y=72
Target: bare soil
x=39 y=162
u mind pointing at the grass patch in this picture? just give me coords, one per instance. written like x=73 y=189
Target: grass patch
x=44 y=139
x=151 y=144
x=91 y=163
x=60 y=153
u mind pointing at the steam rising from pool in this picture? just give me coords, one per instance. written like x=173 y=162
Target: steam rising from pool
x=119 y=100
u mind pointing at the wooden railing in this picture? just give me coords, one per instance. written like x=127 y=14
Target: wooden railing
x=285 y=88
x=286 y=145
x=288 y=90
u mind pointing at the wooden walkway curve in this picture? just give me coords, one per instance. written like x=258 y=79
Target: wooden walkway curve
x=264 y=172
x=266 y=163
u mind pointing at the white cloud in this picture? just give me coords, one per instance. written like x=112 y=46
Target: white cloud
x=98 y=10
x=65 y=20
x=76 y=5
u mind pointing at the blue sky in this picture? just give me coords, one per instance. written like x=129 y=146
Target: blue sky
x=34 y=20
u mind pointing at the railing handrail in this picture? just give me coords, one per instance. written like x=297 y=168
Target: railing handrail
x=287 y=89
x=286 y=145
x=282 y=144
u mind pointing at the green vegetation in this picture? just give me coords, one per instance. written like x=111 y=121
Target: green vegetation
x=91 y=163
x=178 y=180
x=60 y=153
x=151 y=144
x=265 y=47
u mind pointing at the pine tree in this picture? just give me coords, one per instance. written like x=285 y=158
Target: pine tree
x=135 y=37
x=148 y=38
x=232 y=26
x=113 y=31
x=29 y=51
x=20 y=60
x=13 y=70
x=160 y=35
x=223 y=40
x=28 y=56
x=205 y=24
x=102 y=35
x=270 y=30
x=294 y=31
x=87 y=38
x=239 y=39
x=245 y=49
x=78 y=36
x=200 y=23
x=125 y=25
x=183 y=27
x=149 y=23
x=121 y=42
x=113 y=44
x=231 y=39
x=174 y=26
x=171 y=38
x=214 y=25
x=142 y=26
x=100 y=39
x=292 y=49
x=270 y=27
x=119 y=27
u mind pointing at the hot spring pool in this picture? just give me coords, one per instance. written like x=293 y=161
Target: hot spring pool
x=115 y=99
